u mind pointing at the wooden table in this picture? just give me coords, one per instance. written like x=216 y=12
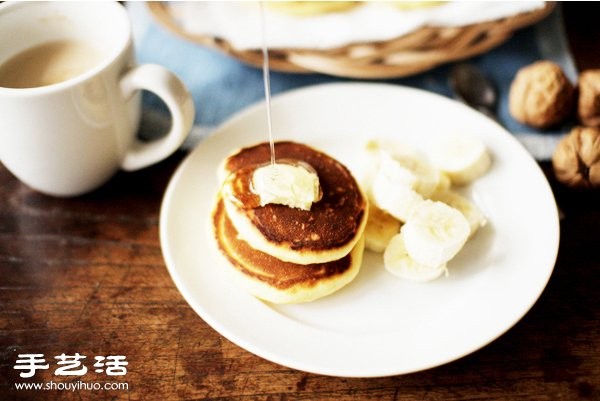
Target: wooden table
x=87 y=276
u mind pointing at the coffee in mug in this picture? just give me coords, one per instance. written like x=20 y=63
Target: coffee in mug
x=70 y=99
x=48 y=63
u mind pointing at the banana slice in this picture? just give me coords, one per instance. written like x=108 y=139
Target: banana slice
x=392 y=188
x=401 y=182
x=434 y=233
x=471 y=212
x=380 y=229
x=370 y=165
x=399 y=200
x=444 y=183
x=393 y=170
x=398 y=262
x=427 y=177
x=462 y=157
x=395 y=147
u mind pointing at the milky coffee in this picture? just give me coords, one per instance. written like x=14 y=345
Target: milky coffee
x=48 y=63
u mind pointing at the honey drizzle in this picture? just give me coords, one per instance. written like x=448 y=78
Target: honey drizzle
x=241 y=190
x=266 y=79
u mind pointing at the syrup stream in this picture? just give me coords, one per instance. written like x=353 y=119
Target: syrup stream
x=266 y=79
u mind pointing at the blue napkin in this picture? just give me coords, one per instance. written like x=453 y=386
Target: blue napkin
x=222 y=85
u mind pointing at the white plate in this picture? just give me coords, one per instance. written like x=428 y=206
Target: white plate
x=378 y=325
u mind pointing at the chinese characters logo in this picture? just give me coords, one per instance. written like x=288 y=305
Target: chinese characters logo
x=71 y=365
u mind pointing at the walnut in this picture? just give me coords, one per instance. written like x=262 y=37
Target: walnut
x=541 y=95
x=588 y=107
x=576 y=160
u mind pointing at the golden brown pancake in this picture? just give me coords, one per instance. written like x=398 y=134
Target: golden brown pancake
x=276 y=281
x=328 y=231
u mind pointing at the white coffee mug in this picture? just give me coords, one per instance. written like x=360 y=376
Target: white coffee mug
x=70 y=137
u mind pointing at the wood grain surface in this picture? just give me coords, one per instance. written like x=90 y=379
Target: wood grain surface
x=87 y=275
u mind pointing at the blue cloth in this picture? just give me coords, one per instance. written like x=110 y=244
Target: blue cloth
x=222 y=85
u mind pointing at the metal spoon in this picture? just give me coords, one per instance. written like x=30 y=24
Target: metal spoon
x=473 y=88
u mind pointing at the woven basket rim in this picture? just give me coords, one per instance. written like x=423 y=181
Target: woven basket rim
x=417 y=51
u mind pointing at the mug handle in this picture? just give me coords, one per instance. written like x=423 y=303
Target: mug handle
x=171 y=90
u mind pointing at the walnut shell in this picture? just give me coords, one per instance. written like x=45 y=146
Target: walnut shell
x=576 y=160
x=541 y=95
x=588 y=106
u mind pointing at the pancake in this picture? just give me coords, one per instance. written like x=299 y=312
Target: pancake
x=327 y=232
x=273 y=280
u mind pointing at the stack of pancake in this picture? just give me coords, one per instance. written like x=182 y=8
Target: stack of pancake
x=283 y=254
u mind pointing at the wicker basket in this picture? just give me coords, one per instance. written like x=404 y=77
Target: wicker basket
x=409 y=54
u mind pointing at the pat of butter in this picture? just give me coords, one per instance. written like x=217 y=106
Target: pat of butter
x=286 y=184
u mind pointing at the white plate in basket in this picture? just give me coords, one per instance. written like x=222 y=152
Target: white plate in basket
x=378 y=325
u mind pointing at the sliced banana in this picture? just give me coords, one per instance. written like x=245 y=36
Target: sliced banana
x=471 y=212
x=462 y=157
x=398 y=262
x=444 y=183
x=392 y=188
x=373 y=157
x=394 y=171
x=405 y=187
x=380 y=229
x=399 y=200
x=434 y=233
x=395 y=147
x=370 y=165
x=425 y=177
